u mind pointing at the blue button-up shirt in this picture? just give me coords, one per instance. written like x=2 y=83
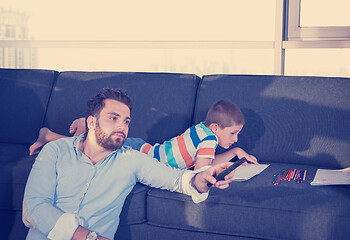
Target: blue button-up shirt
x=64 y=181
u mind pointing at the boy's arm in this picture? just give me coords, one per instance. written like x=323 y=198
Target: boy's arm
x=201 y=162
x=228 y=155
x=205 y=152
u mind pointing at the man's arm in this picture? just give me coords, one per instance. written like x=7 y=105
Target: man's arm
x=81 y=234
x=158 y=175
x=203 y=178
x=39 y=211
x=40 y=191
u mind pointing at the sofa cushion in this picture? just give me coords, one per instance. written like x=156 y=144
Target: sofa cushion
x=288 y=119
x=149 y=231
x=13 y=150
x=163 y=102
x=256 y=208
x=24 y=96
x=134 y=208
x=133 y=212
x=14 y=172
x=12 y=228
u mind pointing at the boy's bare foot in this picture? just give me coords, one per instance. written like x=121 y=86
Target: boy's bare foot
x=77 y=127
x=45 y=136
x=40 y=141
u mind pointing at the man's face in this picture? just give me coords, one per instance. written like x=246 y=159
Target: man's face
x=112 y=126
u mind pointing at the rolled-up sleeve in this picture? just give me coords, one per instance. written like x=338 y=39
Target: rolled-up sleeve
x=189 y=188
x=39 y=210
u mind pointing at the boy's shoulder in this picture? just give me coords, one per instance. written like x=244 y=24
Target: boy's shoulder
x=203 y=133
x=207 y=131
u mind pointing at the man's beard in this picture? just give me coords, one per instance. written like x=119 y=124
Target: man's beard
x=106 y=141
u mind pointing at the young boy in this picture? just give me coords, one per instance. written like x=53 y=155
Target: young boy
x=194 y=148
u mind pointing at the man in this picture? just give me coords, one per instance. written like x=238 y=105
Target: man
x=78 y=185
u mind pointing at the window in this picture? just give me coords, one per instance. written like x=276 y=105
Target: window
x=317 y=38
x=307 y=21
x=324 y=13
x=331 y=62
x=197 y=36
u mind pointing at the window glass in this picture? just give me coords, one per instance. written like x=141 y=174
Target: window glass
x=198 y=61
x=318 y=62
x=141 y=20
x=18 y=58
x=318 y=13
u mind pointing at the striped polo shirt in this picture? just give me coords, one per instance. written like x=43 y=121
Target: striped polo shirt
x=181 y=151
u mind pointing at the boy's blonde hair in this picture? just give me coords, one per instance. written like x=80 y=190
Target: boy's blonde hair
x=225 y=114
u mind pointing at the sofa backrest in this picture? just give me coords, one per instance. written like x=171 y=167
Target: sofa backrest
x=163 y=102
x=302 y=120
x=24 y=95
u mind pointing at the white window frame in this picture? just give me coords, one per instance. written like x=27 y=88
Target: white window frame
x=296 y=37
x=297 y=33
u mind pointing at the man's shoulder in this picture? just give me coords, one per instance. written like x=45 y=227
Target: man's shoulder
x=62 y=142
x=65 y=140
x=129 y=152
x=132 y=155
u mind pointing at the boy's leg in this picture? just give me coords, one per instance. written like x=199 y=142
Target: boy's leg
x=45 y=136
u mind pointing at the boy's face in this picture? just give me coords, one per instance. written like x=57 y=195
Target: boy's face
x=228 y=135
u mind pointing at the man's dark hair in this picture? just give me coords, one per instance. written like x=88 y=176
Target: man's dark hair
x=225 y=114
x=97 y=102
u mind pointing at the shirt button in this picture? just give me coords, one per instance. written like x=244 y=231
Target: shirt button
x=87 y=184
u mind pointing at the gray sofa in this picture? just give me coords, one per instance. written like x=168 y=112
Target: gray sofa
x=292 y=123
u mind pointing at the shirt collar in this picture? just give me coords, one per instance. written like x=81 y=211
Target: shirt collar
x=207 y=130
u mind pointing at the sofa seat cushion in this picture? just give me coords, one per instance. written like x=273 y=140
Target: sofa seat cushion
x=14 y=172
x=133 y=212
x=148 y=231
x=134 y=208
x=257 y=208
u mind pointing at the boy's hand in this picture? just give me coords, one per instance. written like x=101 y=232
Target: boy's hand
x=241 y=153
x=202 y=178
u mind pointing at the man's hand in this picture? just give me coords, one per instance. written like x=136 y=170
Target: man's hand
x=202 y=178
x=81 y=233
